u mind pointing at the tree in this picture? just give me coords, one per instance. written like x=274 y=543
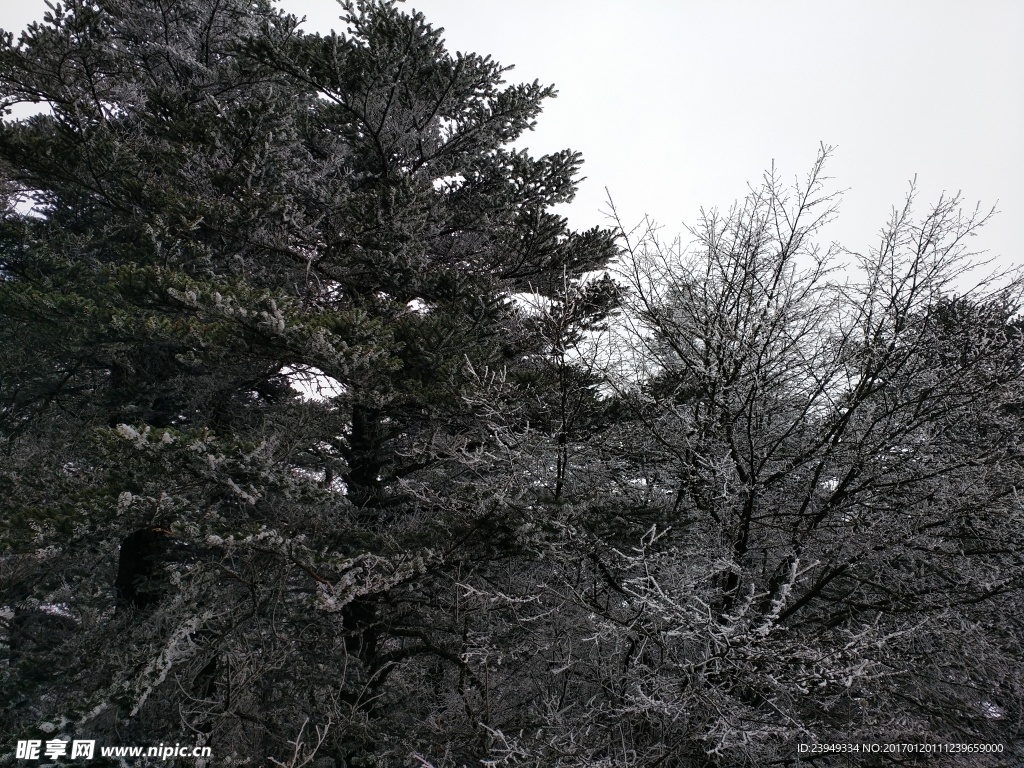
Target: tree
x=838 y=552
x=224 y=206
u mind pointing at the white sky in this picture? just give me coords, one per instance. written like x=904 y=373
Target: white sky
x=678 y=104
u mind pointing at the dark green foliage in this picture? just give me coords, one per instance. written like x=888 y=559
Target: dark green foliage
x=224 y=207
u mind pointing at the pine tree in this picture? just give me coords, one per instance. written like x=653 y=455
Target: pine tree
x=224 y=207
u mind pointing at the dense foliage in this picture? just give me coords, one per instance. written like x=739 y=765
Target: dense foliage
x=326 y=442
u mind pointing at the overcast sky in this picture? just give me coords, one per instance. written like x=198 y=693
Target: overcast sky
x=678 y=104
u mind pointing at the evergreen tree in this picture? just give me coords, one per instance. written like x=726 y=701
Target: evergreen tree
x=224 y=207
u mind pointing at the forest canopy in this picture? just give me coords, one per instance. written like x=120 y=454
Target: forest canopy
x=326 y=442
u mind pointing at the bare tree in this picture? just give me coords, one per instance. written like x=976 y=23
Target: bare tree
x=835 y=455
